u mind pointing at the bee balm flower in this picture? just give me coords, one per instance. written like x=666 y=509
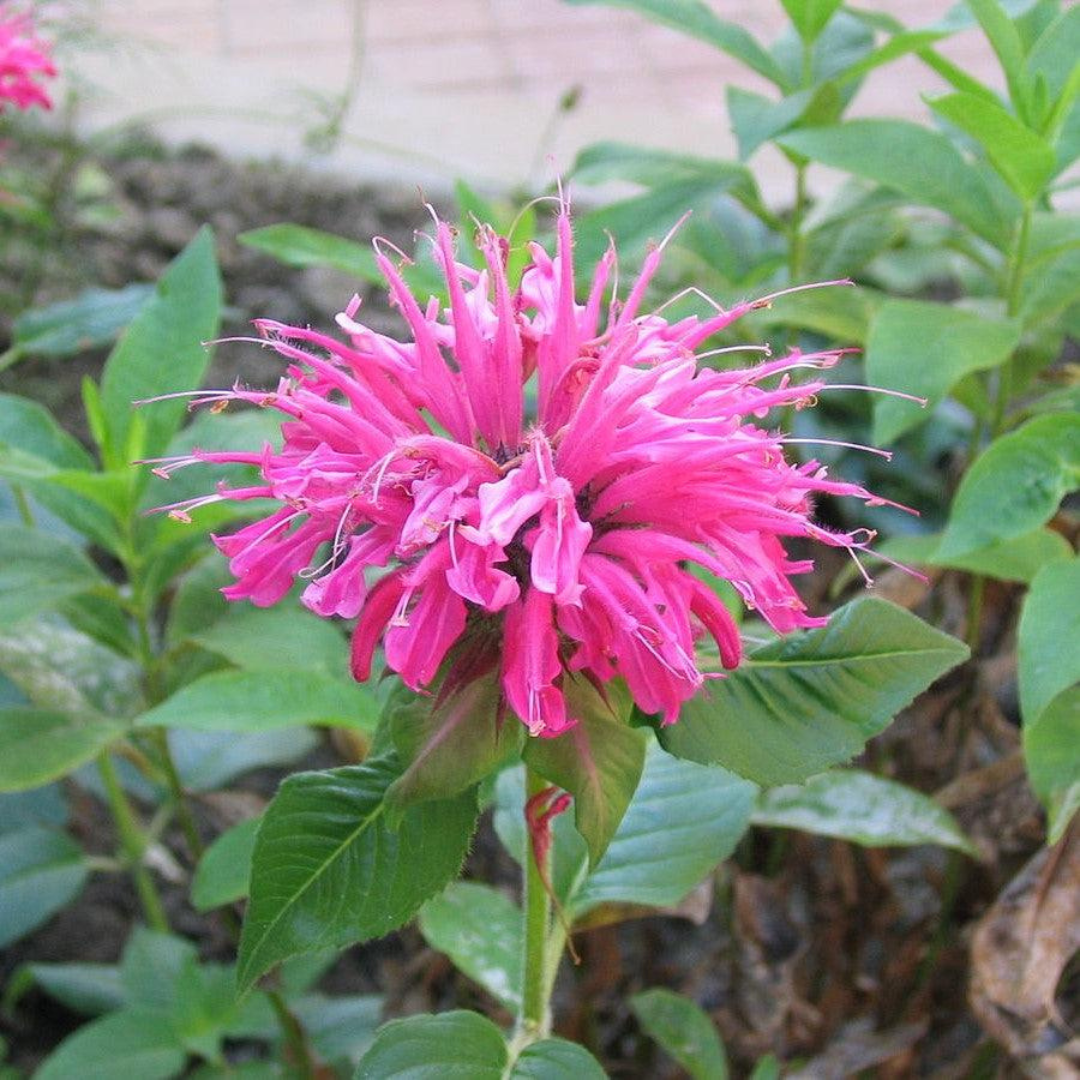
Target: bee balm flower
x=419 y=496
x=23 y=59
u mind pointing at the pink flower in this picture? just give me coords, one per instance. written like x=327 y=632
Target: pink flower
x=23 y=58
x=417 y=493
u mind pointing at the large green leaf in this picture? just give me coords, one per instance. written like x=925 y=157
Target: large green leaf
x=1051 y=288
x=925 y=349
x=684 y=1030
x=41 y=871
x=755 y=119
x=697 y=19
x=207 y=760
x=328 y=871
x=555 y=1059
x=684 y=819
x=297 y=245
x=1015 y=485
x=224 y=870
x=31 y=428
x=921 y=164
x=39 y=745
x=801 y=704
x=1049 y=633
x=69 y=327
x=453 y=1044
x=263 y=700
x=89 y=989
x=339 y=1028
x=39 y=571
x=133 y=1043
x=1024 y=159
x=850 y=804
x=1052 y=754
x=162 y=352
x=480 y=929
x=599 y=760
x=449 y=742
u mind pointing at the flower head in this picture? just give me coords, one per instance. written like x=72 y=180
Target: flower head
x=418 y=494
x=24 y=58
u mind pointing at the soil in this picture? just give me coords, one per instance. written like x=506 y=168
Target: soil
x=842 y=958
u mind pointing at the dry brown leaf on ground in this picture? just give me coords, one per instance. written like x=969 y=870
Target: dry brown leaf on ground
x=1019 y=950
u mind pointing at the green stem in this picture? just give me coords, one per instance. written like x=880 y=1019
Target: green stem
x=300 y=1052
x=535 y=1020
x=796 y=237
x=26 y=512
x=132 y=843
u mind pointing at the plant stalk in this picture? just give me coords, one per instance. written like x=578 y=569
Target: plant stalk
x=537 y=976
x=132 y=843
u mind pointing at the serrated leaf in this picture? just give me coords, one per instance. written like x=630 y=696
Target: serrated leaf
x=39 y=745
x=453 y=1044
x=132 y=1043
x=684 y=819
x=684 y=1030
x=162 y=351
x=1048 y=657
x=297 y=245
x=69 y=327
x=812 y=700
x=921 y=164
x=555 y=1059
x=264 y=700
x=39 y=571
x=599 y=760
x=1024 y=160
x=1015 y=485
x=448 y=742
x=41 y=871
x=925 y=349
x=327 y=870
x=850 y=804
x=480 y=929
x=695 y=18
x=224 y=870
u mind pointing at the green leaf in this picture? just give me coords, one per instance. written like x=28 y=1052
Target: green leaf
x=556 y=1059
x=269 y=639
x=599 y=760
x=224 y=870
x=684 y=1030
x=801 y=704
x=695 y=18
x=849 y=804
x=920 y=164
x=328 y=871
x=755 y=119
x=297 y=245
x=161 y=352
x=31 y=428
x=151 y=967
x=1005 y=40
x=480 y=929
x=133 y=1043
x=1052 y=754
x=810 y=16
x=1048 y=657
x=1023 y=158
x=90 y=989
x=453 y=1044
x=684 y=819
x=39 y=745
x=925 y=349
x=844 y=315
x=39 y=571
x=448 y=742
x=70 y=327
x=1051 y=289
x=339 y=1028
x=1015 y=485
x=264 y=700
x=41 y=871
x=1019 y=559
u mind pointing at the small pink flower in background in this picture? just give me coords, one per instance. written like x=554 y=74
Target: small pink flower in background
x=24 y=59
x=417 y=495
